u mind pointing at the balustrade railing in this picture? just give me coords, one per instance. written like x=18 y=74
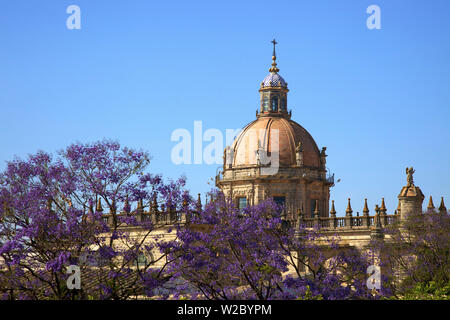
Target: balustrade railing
x=329 y=223
x=358 y=222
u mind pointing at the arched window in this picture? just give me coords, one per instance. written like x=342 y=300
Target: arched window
x=275 y=103
x=283 y=104
x=265 y=103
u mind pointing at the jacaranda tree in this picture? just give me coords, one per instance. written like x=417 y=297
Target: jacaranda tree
x=51 y=217
x=231 y=253
x=416 y=256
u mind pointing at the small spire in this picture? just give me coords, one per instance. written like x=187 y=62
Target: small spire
x=366 y=208
x=333 y=210
x=154 y=204
x=184 y=203
x=430 y=206
x=316 y=209
x=126 y=206
x=349 y=210
x=199 y=202
x=113 y=206
x=91 y=206
x=140 y=205
x=383 y=207
x=442 y=208
x=274 y=68
x=99 y=205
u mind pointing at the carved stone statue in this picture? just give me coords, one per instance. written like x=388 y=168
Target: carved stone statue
x=299 y=154
x=258 y=154
x=224 y=159
x=323 y=157
x=409 y=178
x=227 y=158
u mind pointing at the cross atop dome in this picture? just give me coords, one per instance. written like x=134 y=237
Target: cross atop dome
x=274 y=68
x=274 y=43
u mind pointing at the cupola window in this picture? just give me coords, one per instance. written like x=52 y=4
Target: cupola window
x=283 y=104
x=265 y=103
x=275 y=103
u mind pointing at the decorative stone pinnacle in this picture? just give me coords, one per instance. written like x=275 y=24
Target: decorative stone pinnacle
x=383 y=207
x=91 y=206
x=316 y=209
x=154 y=204
x=430 y=204
x=126 y=206
x=442 y=208
x=199 y=202
x=349 y=210
x=333 y=210
x=99 y=205
x=366 y=208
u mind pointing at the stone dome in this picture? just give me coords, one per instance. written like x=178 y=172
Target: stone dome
x=273 y=80
x=290 y=134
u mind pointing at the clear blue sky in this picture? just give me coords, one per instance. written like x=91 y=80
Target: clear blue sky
x=137 y=70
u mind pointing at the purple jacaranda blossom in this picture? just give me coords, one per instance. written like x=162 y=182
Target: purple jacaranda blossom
x=49 y=220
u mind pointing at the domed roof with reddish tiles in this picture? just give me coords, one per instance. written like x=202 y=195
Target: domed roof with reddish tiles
x=263 y=130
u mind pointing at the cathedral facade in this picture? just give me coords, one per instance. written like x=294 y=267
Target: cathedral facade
x=275 y=157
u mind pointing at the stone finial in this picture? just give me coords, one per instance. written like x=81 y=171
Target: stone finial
x=383 y=207
x=333 y=210
x=113 y=206
x=442 y=208
x=377 y=209
x=366 y=208
x=91 y=206
x=430 y=207
x=199 y=202
x=300 y=213
x=139 y=205
x=349 y=210
x=378 y=217
x=154 y=204
x=398 y=207
x=316 y=209
x=126 y=206
x=376 y=230
x=99 y=205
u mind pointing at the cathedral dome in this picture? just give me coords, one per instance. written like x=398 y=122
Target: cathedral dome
x=290 y=135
